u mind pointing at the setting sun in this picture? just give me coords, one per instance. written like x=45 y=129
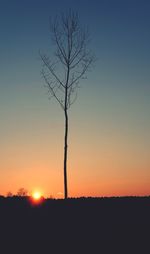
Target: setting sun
x=36 y=195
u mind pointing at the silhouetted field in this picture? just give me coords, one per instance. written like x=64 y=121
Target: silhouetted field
x=85 y=225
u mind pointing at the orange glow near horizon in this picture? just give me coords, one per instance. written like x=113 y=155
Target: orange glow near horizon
x=105 y=172
x=95 y=184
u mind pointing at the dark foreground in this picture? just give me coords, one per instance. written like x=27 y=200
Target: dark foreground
x=93 y=225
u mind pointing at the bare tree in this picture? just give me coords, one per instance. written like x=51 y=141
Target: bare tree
x=22 y=192
x=9 y=194
x=62 y=72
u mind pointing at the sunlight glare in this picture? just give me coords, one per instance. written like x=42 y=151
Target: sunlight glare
x=36 y=195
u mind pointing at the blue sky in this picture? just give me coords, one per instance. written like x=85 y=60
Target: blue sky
x=113 y=100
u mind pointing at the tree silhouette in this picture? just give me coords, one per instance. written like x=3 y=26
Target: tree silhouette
x=9 y=194
x=22 y=192
x=63 y=70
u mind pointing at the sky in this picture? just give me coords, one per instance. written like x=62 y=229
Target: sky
x=109 y=135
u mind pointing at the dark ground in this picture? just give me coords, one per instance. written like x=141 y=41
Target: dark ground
x=86 y=225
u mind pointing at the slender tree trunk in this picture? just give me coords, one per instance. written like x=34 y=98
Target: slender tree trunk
x=66 y=137
x=65 y=155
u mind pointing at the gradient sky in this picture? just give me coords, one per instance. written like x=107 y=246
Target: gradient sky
x=109 y=138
